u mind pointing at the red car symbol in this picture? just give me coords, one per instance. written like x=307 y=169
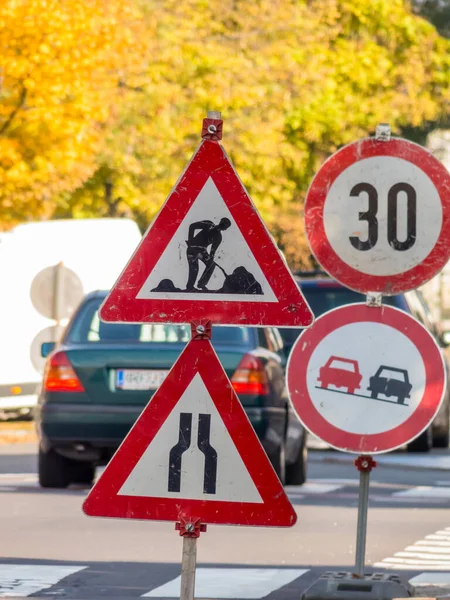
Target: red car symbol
x=341 y=372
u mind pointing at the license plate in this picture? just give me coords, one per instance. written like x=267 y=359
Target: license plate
x=139 y=379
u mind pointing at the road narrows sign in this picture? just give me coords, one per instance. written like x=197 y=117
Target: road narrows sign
x=207 y=253
x=377 y=216
x=192 y=454
x=366 y=380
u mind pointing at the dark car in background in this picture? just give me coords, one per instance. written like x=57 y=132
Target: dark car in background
x=101 y=376
x=323 y=294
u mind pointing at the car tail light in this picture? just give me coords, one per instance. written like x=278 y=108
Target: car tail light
x=250 y=377
x=59 y=375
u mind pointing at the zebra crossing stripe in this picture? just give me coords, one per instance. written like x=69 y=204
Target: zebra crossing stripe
x=422 y=491
x=24 y=580
x=219 y=583
x=314 y=487
x=432 y=552
x=432 y=543
x=427 y=548
x=431 y=579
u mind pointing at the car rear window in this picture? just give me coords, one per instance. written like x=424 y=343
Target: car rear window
x=87 y=328
x=322 y=299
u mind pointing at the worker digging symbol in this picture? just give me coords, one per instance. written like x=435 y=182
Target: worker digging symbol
x=197 y=250
x=204 y=239
x=344 y=373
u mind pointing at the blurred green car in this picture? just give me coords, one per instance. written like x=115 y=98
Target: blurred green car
x=101 y=375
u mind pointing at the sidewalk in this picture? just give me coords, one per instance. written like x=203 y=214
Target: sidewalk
x=436 y=460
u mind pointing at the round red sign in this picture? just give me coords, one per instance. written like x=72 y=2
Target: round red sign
x=377 y=216
x=366 y=380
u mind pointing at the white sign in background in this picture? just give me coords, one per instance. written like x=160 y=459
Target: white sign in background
x=372 y=345
x=351 y=211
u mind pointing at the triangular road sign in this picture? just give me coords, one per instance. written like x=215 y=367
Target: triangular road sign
x=192 y=454
x=207 y=254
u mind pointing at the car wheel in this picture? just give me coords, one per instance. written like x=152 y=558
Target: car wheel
x=423 y=443
x=83 y=473
x=351 y=390
x=54 y=470
x=441 y=441
x=401 y=400
x=278 y=463
x=296 y=472
x=374 y=395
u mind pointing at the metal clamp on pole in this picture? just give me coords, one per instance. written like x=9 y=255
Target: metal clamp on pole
x=383 y=132
x=201 y=330
x=374 y=299
x=212 y=126
x=364 y=464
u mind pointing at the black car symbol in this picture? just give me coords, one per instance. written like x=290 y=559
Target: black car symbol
x=382 y=383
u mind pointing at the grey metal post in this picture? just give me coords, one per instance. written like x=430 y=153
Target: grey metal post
x=188 y=565
x=361 y=529
x=58 y=297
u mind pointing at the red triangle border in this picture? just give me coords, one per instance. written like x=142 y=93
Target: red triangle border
x=275 y=510
x=210 y=160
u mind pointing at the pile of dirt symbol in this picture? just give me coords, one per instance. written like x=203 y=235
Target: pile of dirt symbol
x=241 y=281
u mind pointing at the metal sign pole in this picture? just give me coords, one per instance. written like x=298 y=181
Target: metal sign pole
x=364 y=464
x=190 y=530
x=58 y=297
x=188 y=565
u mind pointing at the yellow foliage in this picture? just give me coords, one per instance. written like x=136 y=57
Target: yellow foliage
x=116 y=91
x=60 y=62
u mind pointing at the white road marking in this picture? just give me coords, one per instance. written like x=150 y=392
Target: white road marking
x=431 y=553
x=24 y=580
x=428 y=548
x=311 y=487
x=426 y=579
x=21 y=476
x=423 y=491
x=430 y=542
x=231 y=583
x=422 y=555
x=414 y=566
x=340 y=480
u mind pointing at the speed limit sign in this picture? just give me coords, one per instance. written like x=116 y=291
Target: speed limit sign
x=377 y=216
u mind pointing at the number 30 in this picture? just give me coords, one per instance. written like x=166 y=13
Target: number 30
x=370 y=215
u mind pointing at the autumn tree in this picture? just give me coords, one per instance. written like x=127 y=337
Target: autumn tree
x=294 y=80
x=60 y=63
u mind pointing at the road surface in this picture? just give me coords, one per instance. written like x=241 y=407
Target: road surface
x=50 y=549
